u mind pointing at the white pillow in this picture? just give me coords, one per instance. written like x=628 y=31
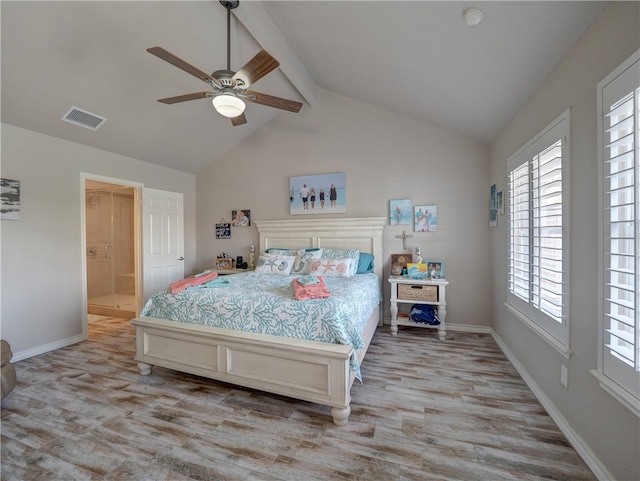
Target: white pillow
x=275 y=264
x=344 y=254
x=304 y=259
x=332 y=267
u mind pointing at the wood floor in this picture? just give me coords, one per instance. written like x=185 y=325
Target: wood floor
x=427 y=410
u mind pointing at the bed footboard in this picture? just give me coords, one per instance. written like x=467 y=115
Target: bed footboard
x=307 y=370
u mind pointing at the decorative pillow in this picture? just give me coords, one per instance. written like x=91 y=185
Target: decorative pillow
x=344 y=254
x=304 y=259
x=332 y=267
x=275 y=264
x=365 y=263
x=280 y=251
x=289 y=252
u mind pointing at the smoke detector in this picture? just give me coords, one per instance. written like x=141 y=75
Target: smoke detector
x=473 y=16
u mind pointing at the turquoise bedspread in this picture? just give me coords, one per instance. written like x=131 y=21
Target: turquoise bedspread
x=264 y=303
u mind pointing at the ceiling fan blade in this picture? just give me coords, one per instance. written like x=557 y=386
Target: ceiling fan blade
x=239 y=120
x=181 y=64
x=184 y=98
x=271 y=101
x=256 y=68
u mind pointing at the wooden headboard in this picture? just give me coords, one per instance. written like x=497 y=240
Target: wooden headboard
x=364 y=234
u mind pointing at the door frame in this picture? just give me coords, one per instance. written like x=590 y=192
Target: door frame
x=84 y=177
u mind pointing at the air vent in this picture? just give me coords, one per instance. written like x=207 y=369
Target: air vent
x=83 y=118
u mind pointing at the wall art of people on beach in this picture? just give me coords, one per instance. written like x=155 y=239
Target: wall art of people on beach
x=425 y=218
x=400 y=212
x=318 y=194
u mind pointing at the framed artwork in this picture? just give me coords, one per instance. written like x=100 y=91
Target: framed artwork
x=400 y=212
x=493 y=207
x=435 y=269
x=224 y=264
x=241 y=218
x=499 y=203
x=318 y=194
x=417 y=270
x=223 y=230
x=425 y=218
x=399 y=262
x=9 y=199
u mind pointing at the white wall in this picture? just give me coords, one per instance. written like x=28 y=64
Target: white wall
x=385 y=156
x=611 y=431
x=42 y=252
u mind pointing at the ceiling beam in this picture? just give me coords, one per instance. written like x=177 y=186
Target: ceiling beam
x=258 y=22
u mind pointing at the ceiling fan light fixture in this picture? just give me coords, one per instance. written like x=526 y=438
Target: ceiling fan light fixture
x=228 y=105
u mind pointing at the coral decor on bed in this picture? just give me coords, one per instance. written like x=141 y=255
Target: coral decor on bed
x=265 y=303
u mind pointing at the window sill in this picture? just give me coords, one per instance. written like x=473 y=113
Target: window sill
x=629 y=401
x=564 y=350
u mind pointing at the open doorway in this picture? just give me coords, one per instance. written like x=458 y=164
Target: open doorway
x=112 y=250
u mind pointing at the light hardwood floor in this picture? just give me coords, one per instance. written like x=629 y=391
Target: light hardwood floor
x=427 y=410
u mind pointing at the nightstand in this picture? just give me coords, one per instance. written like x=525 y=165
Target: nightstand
x=405 y=290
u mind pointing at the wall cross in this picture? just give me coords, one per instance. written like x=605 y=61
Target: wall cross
x=404 y=238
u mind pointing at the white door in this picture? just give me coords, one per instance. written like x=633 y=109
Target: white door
x=163 y=239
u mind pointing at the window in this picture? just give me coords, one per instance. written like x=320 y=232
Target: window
x=619 y=242
x=538 y=233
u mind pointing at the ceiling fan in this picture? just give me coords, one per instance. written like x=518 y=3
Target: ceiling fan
x=230 y=88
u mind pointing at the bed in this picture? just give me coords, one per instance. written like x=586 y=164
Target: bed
x=310 y=370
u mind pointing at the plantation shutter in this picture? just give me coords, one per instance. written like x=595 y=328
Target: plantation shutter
x=621 y=239
x=538 y=240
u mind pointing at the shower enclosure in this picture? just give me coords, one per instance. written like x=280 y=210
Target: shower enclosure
x=110 y=243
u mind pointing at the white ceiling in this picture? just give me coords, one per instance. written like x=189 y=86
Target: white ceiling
x=415 y=58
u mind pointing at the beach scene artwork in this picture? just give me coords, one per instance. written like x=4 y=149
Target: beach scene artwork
x=426 y=218
x=318 y=194
x=400 y=212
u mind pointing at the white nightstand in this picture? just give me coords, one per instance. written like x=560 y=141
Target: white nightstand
x=405 y=290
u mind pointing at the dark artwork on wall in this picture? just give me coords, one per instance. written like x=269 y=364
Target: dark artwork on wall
x=9 y=199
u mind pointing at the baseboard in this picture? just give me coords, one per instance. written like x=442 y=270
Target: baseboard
x=456 y=327
x=19 y=356
x=582 y=448
x=469 y=328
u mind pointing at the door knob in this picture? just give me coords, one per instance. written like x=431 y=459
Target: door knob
x=180 y=258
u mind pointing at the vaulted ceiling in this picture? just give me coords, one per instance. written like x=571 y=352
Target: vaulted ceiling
x=415 y=58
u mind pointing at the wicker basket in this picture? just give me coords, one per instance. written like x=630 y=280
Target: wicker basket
x=417 y=292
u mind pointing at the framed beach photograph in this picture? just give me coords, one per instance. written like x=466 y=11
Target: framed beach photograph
x=425 y=218
x=435 y=269
x=318 y=194
x=241 y=218
x=400 y=212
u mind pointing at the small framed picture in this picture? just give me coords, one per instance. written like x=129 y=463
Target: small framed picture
x=241 y=218
x=224 y=264
x=435 y=269
x=426 y=218
x=399 y=262
x=417 y=270
x=400 y=212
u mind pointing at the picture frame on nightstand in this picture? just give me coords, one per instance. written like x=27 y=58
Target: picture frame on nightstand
x=435 y=269
x=223 y=264
x=399 y=262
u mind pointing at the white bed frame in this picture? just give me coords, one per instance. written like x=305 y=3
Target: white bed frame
x=313 y=371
